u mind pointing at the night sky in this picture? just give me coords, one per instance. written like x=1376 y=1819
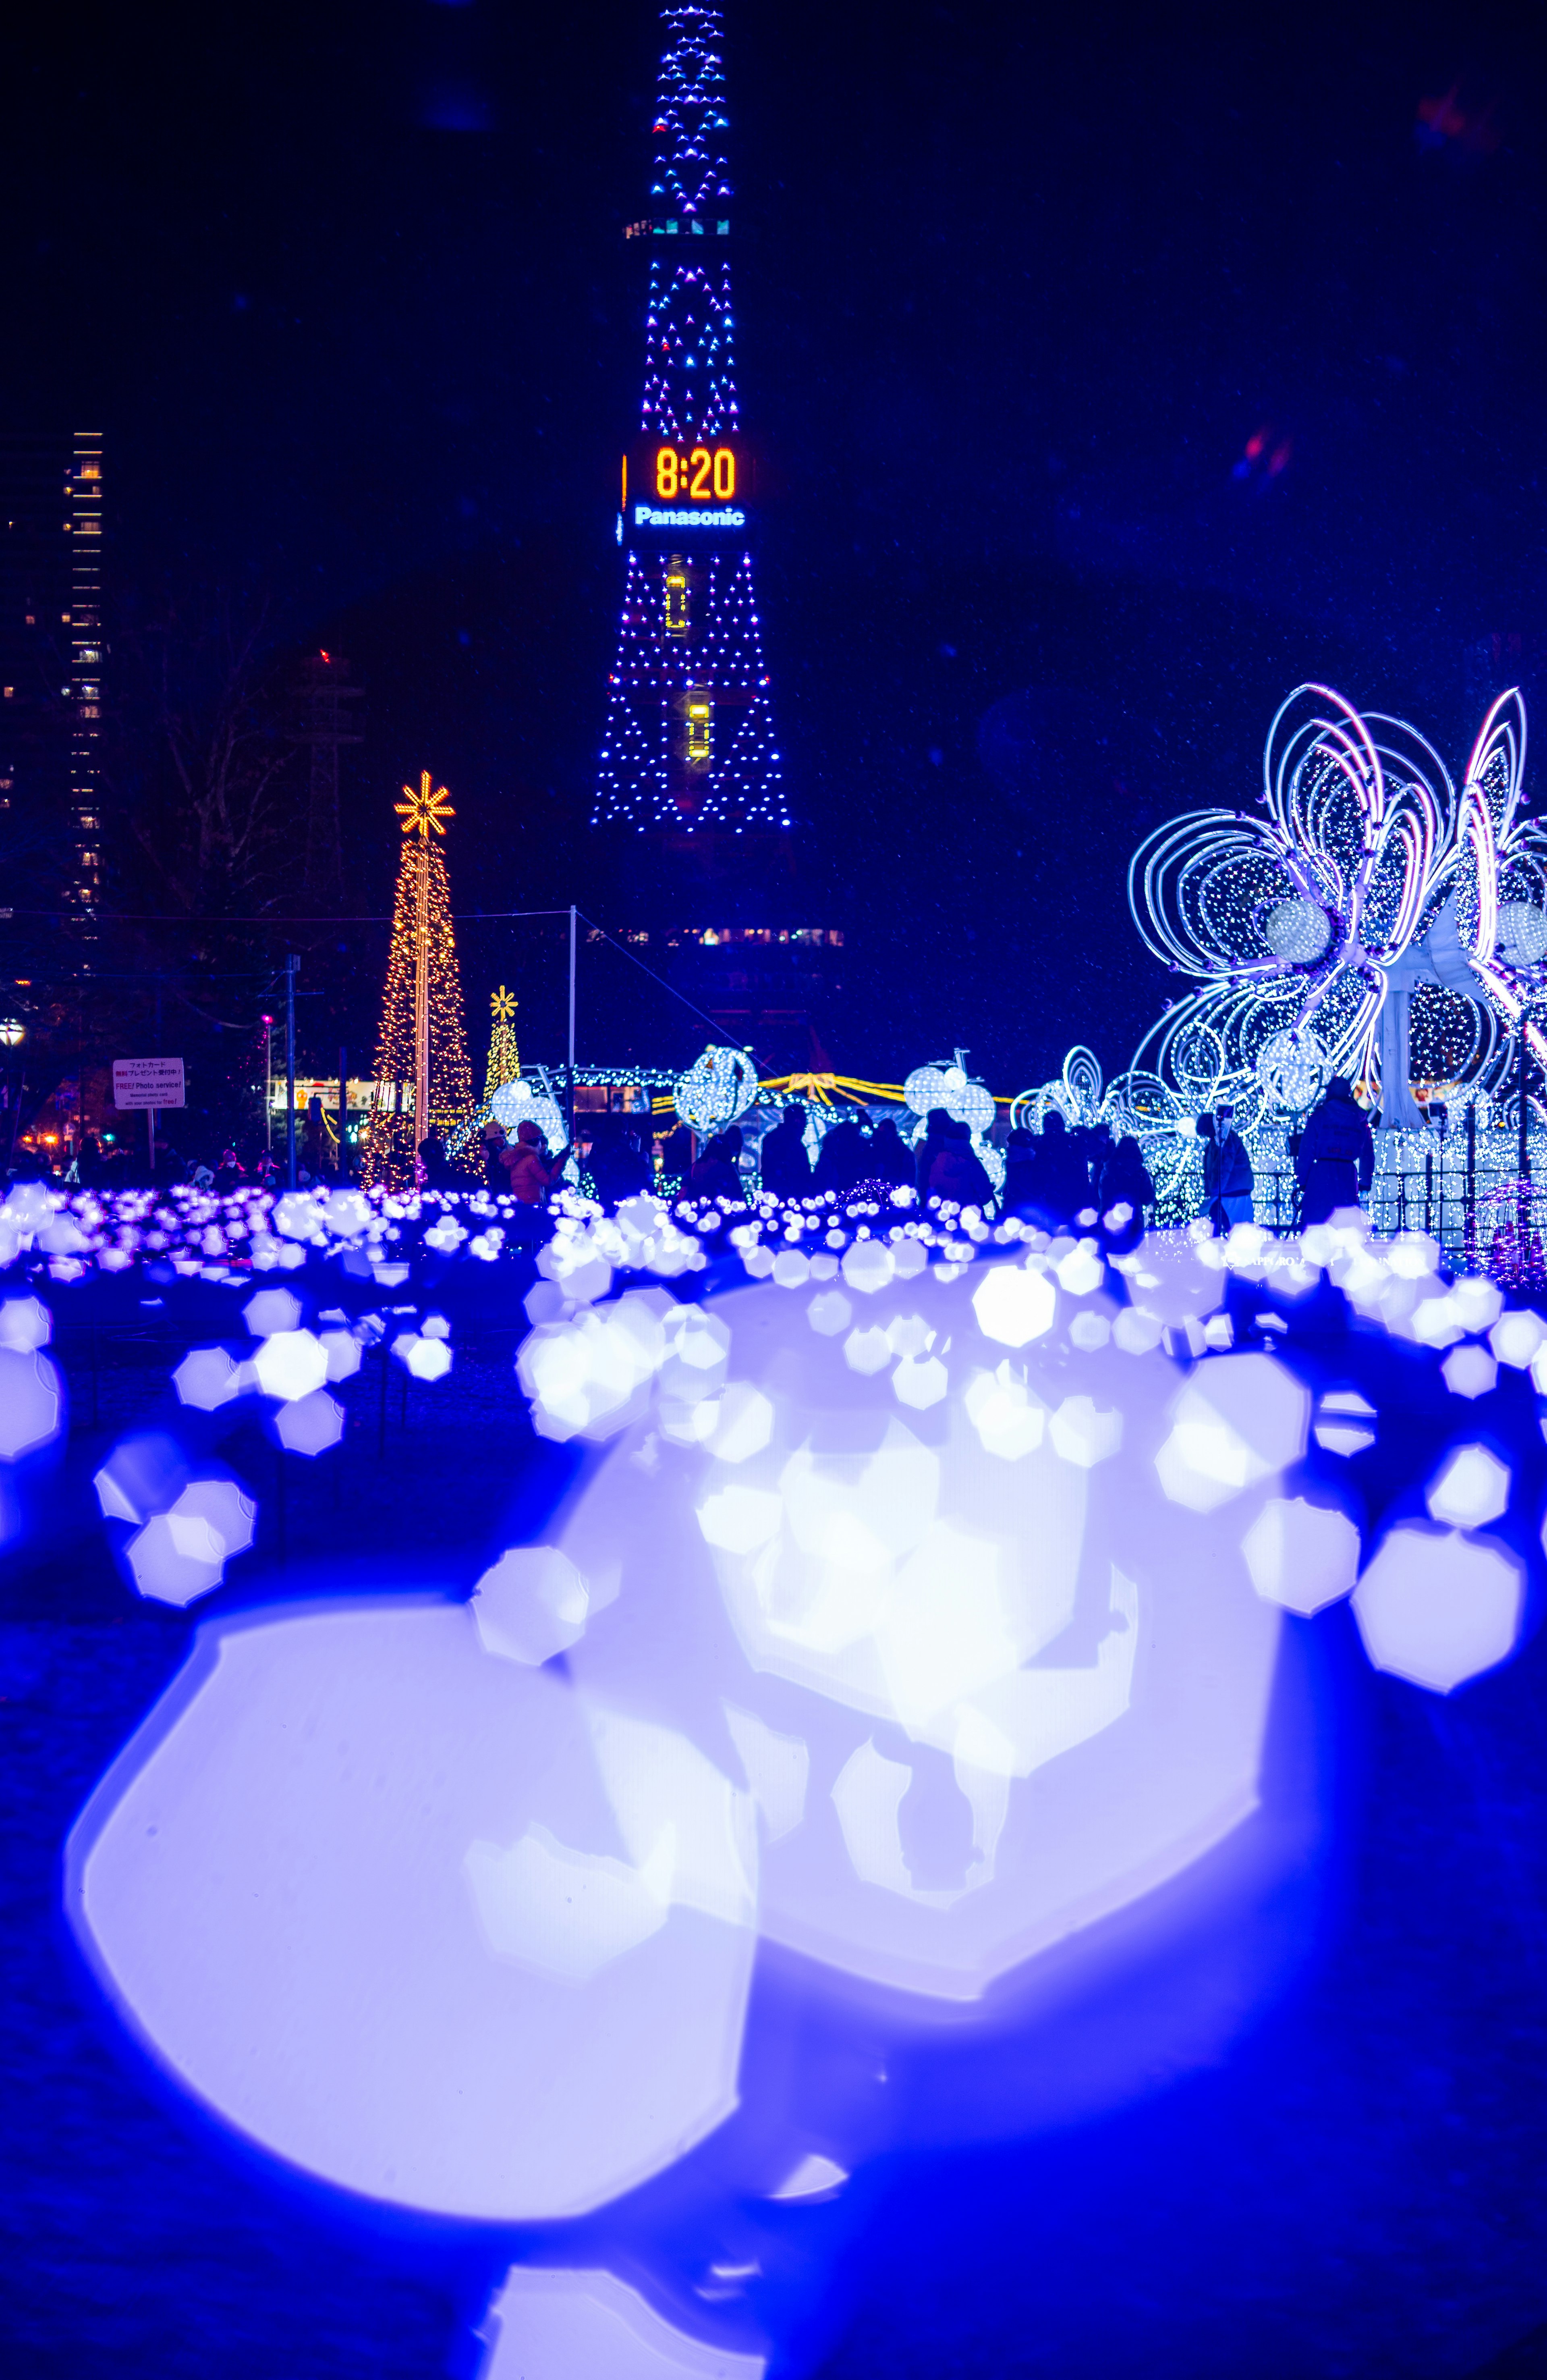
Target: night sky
x=1115 y=377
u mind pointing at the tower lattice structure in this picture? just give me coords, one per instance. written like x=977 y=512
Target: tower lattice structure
x=690 y=744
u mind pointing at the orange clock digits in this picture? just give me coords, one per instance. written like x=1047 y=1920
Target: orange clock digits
x=705 y=476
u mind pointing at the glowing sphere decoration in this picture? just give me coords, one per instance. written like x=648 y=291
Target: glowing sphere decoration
x=514 y=1104
x=1297 y=930
x=717 y=1089
x=948 y=1085
x=1522 y=932
x=1293 y=1069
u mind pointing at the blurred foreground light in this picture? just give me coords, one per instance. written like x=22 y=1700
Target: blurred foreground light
x=587 y=1376
x=207 y=1377
x=556 y=2325
x=1084 y=1432
x=272 y=1310
x=181 y=1553
x=531 y=1604
x=922 y=1627
x=176 y=1556
x=1238 y=1418
x=25 y=1325
x=1301 y=1556
x=1469 y=1371
x=537 y=1901
x=290 y=1364
x=343 y=1351
x=1437 y=1609
x=867 y=1266
x=1517 y=1338
x=347 y=1212
x=30 y=1401
x=230 y=1513
x=829 y=1311
x=1471 y=1490
x=309 y=1424
x=1013 y=1305
x=920 y=1383
x=142 y=1474
x=814 y=2176
x=1007 y=1418
x=426 y=1359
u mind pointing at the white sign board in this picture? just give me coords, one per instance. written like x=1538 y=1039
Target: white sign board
x=148 y=1083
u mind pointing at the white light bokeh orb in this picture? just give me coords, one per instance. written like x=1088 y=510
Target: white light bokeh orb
x=1438 y=1608
x=547 y=2324
x=424 y=1921
x=985 y=1682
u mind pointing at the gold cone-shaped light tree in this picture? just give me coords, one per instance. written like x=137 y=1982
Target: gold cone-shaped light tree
x=504 y=1057
x=423 y=1080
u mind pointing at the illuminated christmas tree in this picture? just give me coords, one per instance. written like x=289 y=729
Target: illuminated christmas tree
x=423 y=1080
x=504 y=1057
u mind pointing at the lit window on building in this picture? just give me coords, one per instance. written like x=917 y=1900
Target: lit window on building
x=699 y=722
x=676 y=597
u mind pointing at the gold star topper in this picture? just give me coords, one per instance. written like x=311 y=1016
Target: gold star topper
x=425 y=813
x=503 y=1003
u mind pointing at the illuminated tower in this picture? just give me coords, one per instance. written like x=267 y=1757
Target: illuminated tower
x=690 y=746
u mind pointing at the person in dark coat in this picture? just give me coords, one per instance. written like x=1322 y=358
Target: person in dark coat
x=1060 y=1179
x=927 y=1146
x=438 y=1174
x=618 y=1166
x=493 y=1146
x=717 y=1174
x=1020 y=1169
x=1228 y=1181
x=784 y=1166
x=886 y=1158
x=1125 y=1182
x=676 y=1155
x=1336 y=1156
x=314 y=1140
x=843 y=1158
x=957 y=1171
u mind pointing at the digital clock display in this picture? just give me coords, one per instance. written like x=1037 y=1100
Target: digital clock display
x=684 y=483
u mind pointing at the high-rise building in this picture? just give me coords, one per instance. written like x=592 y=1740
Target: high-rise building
x=691 y=769
x=52 y=657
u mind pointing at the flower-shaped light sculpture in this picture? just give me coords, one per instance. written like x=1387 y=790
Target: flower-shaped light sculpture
x=1484 y=930
x=1292 y=924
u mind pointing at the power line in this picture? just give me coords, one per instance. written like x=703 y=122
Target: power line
x=672 y=987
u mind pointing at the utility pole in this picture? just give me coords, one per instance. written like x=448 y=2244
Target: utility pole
x=421 y=993
x=291 y=970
